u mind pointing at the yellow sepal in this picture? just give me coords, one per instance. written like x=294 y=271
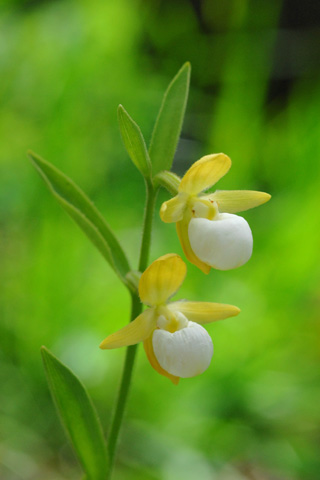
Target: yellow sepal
x=147 y=344
x=204 y=312
x=204 y=173
x=135 y=332
x=233 y=201
x=182 y=231
x=162 y=279
x=172 y=210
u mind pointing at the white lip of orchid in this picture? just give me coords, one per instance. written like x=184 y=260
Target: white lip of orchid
x=185 y=353
x=223 y=243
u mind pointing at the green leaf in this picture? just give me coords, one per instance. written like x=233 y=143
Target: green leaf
x=168 y=126
x=134 y=142
x=78 y=416
x=84 y=213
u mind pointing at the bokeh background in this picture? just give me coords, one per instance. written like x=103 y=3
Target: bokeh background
x=255 y=95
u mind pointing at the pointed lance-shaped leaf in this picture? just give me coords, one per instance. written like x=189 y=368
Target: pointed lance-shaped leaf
x=134 y=142
x=84 y=213
x=78 y=416
x=168 y=125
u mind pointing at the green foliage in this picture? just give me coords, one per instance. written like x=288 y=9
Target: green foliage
x=134 y=142
x=78 y=416
x=84 y=213
x=168 y=125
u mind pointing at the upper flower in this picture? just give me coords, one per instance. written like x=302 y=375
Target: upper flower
x=175 y=342
x=209 y=236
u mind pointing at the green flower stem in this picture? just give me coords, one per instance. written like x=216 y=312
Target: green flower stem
x=136 y=309
x=147 y=226
x=168 y=180
x=116 y=422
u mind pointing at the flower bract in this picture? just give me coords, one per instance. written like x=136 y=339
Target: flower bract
x=211 y=235
x=176 y=343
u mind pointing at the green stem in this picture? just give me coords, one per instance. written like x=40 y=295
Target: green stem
x=147 y=227
x=136 y=309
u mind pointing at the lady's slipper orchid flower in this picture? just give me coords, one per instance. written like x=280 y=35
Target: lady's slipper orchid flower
x=209 y=232
x=175 y=342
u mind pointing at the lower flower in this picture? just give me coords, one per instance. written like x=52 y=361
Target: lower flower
x=176 y=344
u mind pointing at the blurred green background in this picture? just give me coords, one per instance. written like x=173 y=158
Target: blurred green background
x=255 y=95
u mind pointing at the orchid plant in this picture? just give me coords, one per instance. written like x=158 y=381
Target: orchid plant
x=212 y=236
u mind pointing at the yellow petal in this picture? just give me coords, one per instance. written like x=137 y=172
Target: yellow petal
x=182 y=231
x=234 y=201
x=204 y=312
x=172 y=210
x=162 y=279
x=148 y=347
x=135 y=332
x=204 y=173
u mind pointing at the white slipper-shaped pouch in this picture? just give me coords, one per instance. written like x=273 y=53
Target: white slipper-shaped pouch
x=223 y=243
x=184 y=353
